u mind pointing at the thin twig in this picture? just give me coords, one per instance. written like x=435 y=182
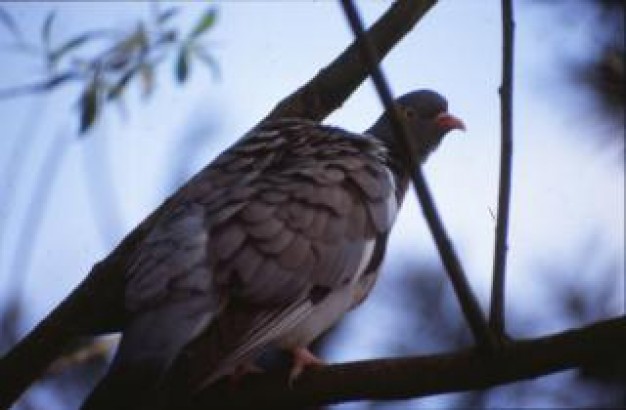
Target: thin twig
x=42 y=86
x=496 y=314
x=468 y=301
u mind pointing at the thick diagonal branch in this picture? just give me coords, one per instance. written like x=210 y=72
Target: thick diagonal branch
x=328 y=90
x=469 y=303
x=411 y=377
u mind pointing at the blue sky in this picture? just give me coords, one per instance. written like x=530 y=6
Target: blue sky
x=567 y=185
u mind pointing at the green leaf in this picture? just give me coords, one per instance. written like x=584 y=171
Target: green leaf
x=137 y=40
x=125 y=52
x=146 y=71
x=206 y=21
x=208 y=60
x=167 y=14
x=40 y=87
x=117 y=89
x=89 y=105
x=59 y=79
x=46 y=29
x=69 y=46
x=169 y=36
x=182 y=65
x=7 y=21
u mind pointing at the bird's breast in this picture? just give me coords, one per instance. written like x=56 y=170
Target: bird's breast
x=333 y=306
x=325 y=314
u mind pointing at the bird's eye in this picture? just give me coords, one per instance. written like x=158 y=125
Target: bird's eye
x=431 y=115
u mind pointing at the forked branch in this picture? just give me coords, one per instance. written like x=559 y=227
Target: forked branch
x=410 y=377
x=469 y=303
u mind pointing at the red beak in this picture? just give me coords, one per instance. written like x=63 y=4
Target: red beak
x=449 y=122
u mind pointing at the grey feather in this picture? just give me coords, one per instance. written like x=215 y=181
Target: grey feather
x=318 y=225
x=265 y=229
x=256 y=211
x=227 y=240
x=293 y=256
x=278 y=242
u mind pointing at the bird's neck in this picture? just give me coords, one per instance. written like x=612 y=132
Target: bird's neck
x=382 y=131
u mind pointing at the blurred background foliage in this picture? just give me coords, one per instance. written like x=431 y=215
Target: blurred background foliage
x=123 y=56
x=102 y=63
x=604 y=74
x=598 y=73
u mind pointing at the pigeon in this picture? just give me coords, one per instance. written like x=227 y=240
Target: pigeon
x=266 y=247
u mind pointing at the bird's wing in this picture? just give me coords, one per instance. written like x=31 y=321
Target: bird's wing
x=269 y=229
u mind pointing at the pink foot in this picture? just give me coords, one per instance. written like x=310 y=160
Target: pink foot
x=302 y=358
x=242 y=370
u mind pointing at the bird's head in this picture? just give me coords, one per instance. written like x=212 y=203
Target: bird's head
x=426 y=116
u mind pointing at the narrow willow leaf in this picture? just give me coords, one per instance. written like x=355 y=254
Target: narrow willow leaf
x=167 y=14
x=40 y=87
x=138 y=40
x=208 y=60
x=46 y=29
x=182 y=65
x=126 y=50
x=118 y=88
x=7 y=21
x=169 y=36
x=59 y=79
x=206 y=21
x=69 y=46
x=146 y=72
x=89 y=106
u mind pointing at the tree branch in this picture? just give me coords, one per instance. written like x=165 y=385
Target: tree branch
x=392 y=379
x=336 y=82
x=41 y=86
x=496 y=315
x=469 y=303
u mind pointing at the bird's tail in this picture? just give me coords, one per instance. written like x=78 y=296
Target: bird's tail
x=151 y=341
x=123 y=388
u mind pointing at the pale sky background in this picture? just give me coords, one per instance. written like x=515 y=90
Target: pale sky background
x=568 y=185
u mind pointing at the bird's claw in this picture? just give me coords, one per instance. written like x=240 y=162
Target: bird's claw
x=302 y=358
x=242 y=370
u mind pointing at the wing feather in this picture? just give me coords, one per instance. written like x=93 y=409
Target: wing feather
x=293 y=208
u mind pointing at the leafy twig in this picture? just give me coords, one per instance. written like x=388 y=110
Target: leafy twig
x=44 y=85
x=496 y=314
x=9 y=23
x=469 y=303
x=104 y=77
